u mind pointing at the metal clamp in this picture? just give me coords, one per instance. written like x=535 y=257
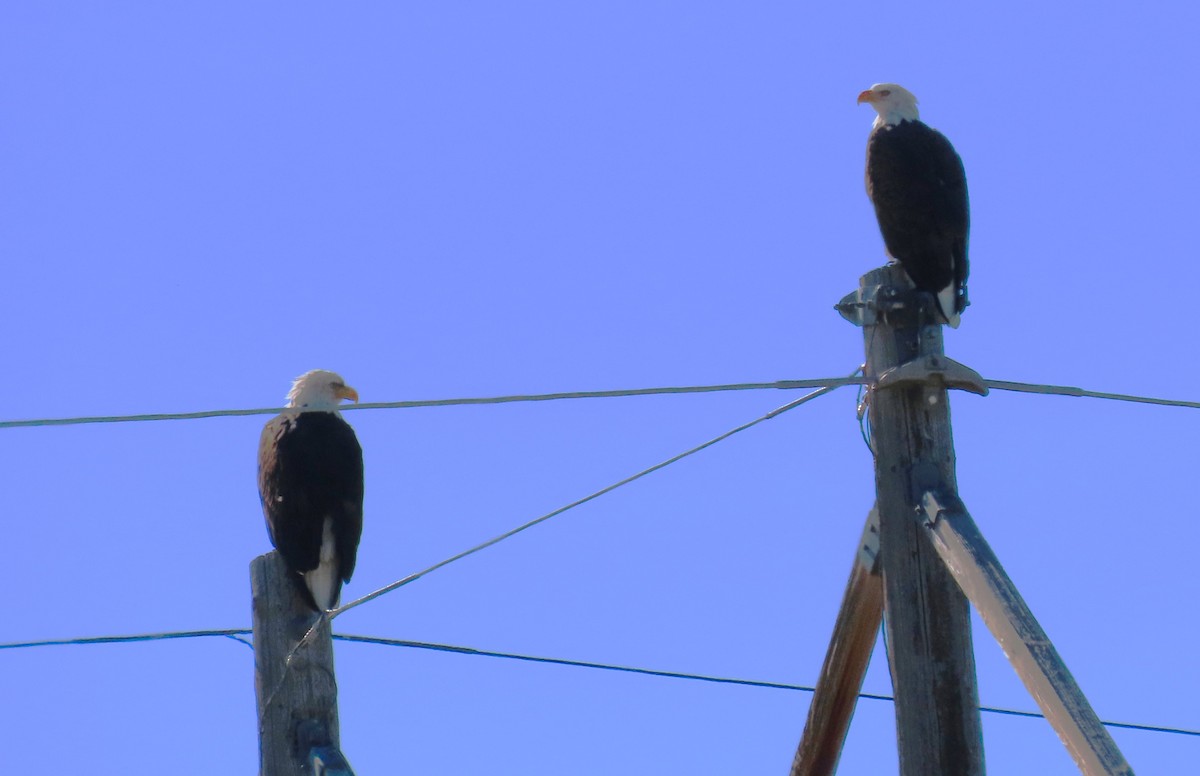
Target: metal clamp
x=934 y=368
x=864 y=306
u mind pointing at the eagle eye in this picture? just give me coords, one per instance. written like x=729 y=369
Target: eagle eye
x=886 y=92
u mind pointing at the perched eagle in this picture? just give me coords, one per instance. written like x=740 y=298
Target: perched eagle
x=310 y=481
x=916 y=181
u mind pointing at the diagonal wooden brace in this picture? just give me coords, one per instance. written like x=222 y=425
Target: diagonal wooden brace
x=977 y=570
x=846 y=661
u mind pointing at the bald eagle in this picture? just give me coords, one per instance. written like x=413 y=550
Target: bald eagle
x=310 y=481
x=917 y=183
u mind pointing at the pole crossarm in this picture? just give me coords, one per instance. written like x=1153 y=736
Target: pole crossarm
x=975 y=567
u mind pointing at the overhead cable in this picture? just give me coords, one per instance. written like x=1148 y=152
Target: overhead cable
x=530 y=524
x=786 y=385
x=238 y=634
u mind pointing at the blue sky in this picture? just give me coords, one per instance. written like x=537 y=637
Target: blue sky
x=435 y=200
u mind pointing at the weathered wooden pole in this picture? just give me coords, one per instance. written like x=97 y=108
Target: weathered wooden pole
x=846 y=661
x=297 y=703
x=927 y=616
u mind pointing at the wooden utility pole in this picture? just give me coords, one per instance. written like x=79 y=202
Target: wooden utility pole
x=297 y=703
x=927 y=616
x=931 y=553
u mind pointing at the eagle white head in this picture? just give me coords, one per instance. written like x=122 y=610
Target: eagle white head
x=892 y=102
x=320 y=390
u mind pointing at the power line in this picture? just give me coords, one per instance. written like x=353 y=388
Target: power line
x=1066 y=390
x=525 y=526
x=825 y=387
x=706 y=678
x=232 y=633
x=786 y=385
x=581 y=664
x=237 y=633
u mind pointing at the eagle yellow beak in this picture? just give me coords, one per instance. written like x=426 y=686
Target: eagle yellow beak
x=866 y=96
x=346 y=392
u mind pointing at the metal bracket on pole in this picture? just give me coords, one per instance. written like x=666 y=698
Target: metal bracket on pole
x=865 y=305
x=934 y=368
x=977 y=570
x=894 y=301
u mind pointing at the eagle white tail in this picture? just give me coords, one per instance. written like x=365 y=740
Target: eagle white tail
x=324 y=582
x=947 y=300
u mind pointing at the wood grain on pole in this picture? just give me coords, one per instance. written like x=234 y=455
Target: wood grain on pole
x=294 y=701
x=978 y=571
x=927 y=616
x=845 y=667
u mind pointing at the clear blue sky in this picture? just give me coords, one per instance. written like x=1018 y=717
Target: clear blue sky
x=452 y=199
